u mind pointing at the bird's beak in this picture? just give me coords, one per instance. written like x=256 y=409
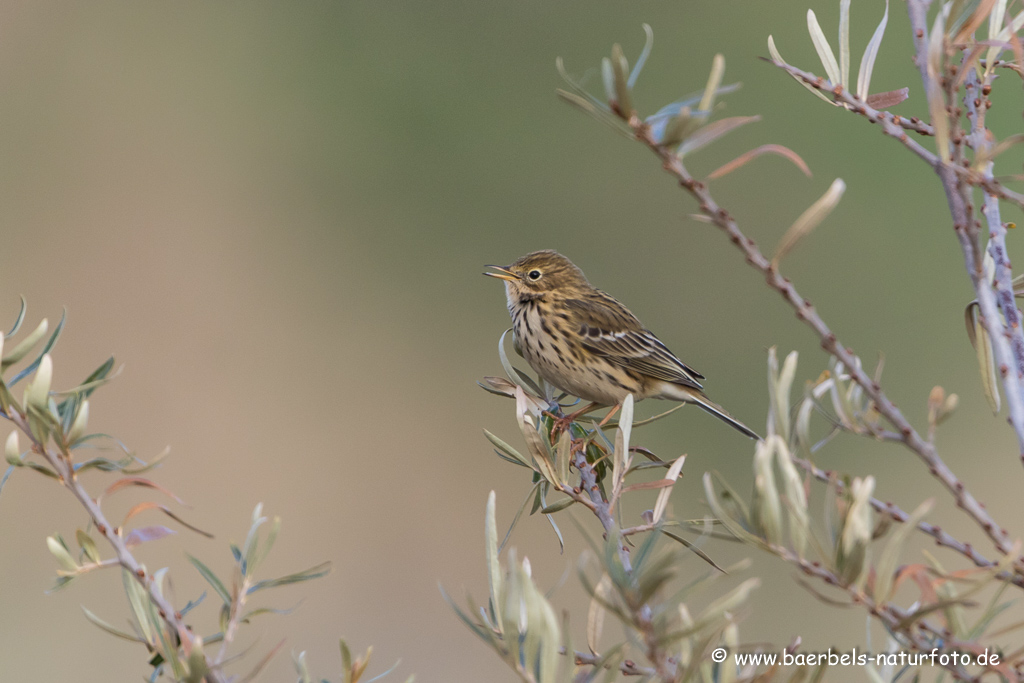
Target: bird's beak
x=503 y=273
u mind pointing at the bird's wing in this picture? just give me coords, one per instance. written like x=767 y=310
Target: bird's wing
x=608 y=329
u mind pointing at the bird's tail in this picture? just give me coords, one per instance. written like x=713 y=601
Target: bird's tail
x=690 y=395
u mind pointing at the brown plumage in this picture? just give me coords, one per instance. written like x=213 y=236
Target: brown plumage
x=586 y=343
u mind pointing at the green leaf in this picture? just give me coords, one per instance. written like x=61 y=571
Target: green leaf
x=38 y=393
x=493 y=562
x=707 y=101
x=639 y=66
x=252 y=539
x=711 y=132
x=110 y=629
x=886 y=567
x=844 y=42
x=138 y=599
x=20 y=319
x=778 y=58
x=620 y=68
x=809 y=219
x=88 y=546
x=301 y=668
x=275 y=527
x=867 y=62
x=60 y=552
x=506 y=449
x=531 y=494
x=824 y=50
x=29 y=369
x=513 y=373
x=212 y=579
x=25 y=345
x=346 y=661
x=322 y=569
x=12 y=451
x=556 y=506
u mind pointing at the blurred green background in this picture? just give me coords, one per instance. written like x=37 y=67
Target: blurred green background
x=275 y=215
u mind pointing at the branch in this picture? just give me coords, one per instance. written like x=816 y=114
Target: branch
x=627 y=668
x=805 y=311
x=61 y=464
x=888 y=614
x=895 y=126
x=642 y=614
x=894 y=512
x=1009 y=356
x=977 y=102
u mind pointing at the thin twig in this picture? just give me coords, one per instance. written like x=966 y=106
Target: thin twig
x=237 y=606
x=627 y=668
x=61 y=465
x=888 y=614
x=925 y=450
x=894 y=512
x=895 y=126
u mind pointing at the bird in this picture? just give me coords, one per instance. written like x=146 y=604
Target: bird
x=584 y=342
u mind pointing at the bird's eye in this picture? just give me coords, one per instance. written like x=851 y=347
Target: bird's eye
x=533 y=275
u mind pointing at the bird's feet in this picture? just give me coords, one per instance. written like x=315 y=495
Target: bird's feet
x=564 y=422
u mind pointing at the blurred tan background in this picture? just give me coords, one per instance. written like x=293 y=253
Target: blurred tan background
x=275 y=215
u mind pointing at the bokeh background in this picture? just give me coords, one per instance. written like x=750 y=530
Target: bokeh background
x=275 y=216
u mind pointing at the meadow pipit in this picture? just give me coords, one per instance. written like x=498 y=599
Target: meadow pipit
x=589 y=345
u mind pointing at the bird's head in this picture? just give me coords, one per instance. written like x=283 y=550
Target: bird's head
x=540 y=272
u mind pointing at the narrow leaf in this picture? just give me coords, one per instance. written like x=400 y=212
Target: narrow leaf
x=756 y=152
x=60 y=552
x=23 y=347
x=596 y=612
x=148 y=533
x=493 y=564
x=648 y=44
x=88 y=546
x=986 y=365
x=936 y=101
x=714 y=81
x=824 y=50
x=212 y=579
x=844 y=43
x=148 y=505
x=137 y=481
x=809 y=219
x=31 y=367
x=18 y=320
x=322 y=569
x=620 y=67
x=505 y=448
x=108 y=628
x=885 y=570
x=867 y=62
x=782 y=62
x=711 y=132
